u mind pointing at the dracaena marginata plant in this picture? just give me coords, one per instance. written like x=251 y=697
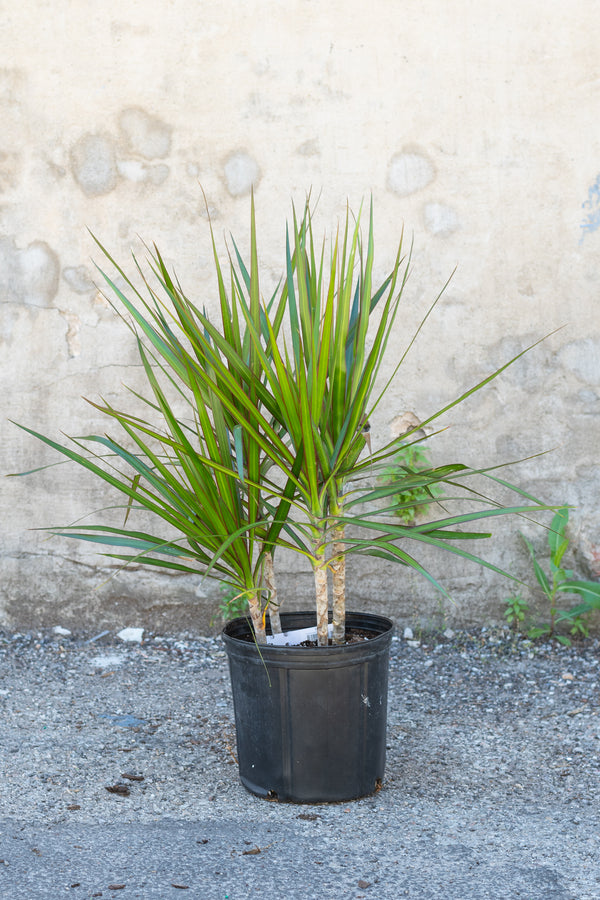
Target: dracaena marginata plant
x=255 y=433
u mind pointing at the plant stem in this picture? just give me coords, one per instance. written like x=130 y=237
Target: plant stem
x=271 y=587
x=257 y=619
x=338 y=569
x=322 y=599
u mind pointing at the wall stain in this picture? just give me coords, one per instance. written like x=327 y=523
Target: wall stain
x=79 y=279
x=309 y=148
x=409 y=171
x=9 y=169
x=93 y=164
x=591 y=221
x=12 y=82
x=241 y=173
x=440 y=220
x=145 y=135
x=28 y=276
x=582 y=357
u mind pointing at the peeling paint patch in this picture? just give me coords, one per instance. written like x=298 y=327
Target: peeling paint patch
x=93 y=164
x=136 y=171
x=79 y=279
x=132 y=169
x=73 y=333
x=28 y=276
x=409 y=171
x=591 y=221
x=440 y=220
x=145 y=135
x=241 y=173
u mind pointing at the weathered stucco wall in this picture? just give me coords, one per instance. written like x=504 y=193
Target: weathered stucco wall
x=474 y=125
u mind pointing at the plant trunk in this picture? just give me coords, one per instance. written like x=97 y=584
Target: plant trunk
x=271 y=587
x=258 y=622
x=338 y=569
x=322 y=599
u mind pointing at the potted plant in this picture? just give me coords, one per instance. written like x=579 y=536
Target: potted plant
x=255 y=436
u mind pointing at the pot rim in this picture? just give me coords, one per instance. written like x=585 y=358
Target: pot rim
x=308 y=657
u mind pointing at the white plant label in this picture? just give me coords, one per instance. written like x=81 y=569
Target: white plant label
x=296 y=637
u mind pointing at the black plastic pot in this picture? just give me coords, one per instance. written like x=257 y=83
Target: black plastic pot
x=310 y=722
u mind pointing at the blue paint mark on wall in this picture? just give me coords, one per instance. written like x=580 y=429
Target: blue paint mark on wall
x=591 y=221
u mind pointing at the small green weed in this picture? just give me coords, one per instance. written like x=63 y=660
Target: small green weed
x=515 y=612
x=560 y=580
x=232 y=604
x=411 y=499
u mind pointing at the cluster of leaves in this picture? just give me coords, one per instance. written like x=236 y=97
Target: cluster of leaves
x=252 y=440
x=414 y=497
x=231 y=605
x=554 y=584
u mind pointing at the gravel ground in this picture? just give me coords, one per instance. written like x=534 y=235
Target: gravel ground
x=491 y=786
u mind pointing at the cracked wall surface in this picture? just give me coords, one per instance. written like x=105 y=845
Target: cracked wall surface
x=470 y=125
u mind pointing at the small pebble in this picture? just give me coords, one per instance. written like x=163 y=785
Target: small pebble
x=134 y=635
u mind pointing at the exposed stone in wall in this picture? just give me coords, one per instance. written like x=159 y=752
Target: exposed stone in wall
x=145 y=135
x=409 y=171
x=241 y=173
x=30 y=275
x=404 y=423
x=93 y=164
